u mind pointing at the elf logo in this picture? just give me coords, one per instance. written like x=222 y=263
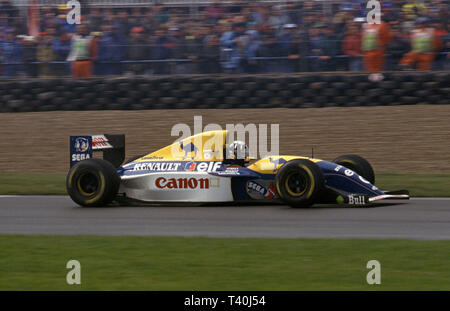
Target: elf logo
x=190 y=166
x=182 y=183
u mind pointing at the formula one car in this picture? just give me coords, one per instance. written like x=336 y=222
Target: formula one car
x=204 y=169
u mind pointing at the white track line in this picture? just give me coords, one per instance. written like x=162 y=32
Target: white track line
x=61 y=195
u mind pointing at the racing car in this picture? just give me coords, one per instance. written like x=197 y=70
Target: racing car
x=205 y=169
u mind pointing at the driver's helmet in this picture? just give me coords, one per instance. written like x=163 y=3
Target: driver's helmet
x=237 y=151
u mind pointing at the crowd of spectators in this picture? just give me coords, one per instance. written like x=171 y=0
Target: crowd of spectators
x=237 y=37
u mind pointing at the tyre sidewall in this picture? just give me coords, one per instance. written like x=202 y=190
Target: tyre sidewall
x=357 y=164
x=106 y=176
x=315 y=182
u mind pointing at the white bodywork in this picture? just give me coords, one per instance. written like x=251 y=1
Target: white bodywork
x=177 y=187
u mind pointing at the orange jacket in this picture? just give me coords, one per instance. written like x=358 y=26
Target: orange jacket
x=352 y=45
x=383 y=33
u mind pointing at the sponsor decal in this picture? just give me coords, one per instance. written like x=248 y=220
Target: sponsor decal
x=76 y=157
x=257 y=191
x=190 y=166
x=100 y=142
x=374 y=188
x=337 y=168
x=184 y=183
x=153 y=158
x=157 y=166
x=364 y=180
x=349 y=172
x=81 y=144
x=231 y=171
x=356 y=199
x=208 y=166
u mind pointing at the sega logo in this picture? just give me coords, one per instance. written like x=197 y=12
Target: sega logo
x=182 y=183
x=77 y=157
x=81 y=144
x=261 y=190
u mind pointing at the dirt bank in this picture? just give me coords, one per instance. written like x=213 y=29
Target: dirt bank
x=394 y=138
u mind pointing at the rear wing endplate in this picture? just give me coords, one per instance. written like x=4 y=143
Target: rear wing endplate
x=112 y=146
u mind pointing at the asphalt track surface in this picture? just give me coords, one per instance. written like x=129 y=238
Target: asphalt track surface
x=414 y=219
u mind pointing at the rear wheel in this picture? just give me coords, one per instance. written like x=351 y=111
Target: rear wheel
x=93 y=182
x=357 y=164
x=299 y=182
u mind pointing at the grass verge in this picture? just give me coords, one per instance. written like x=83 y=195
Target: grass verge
x=177 y=263
x=420 y=185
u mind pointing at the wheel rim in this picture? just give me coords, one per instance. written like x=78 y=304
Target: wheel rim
x=296 y=184
x=88 y=184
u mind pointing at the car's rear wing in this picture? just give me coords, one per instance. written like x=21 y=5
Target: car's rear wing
x=83 y=146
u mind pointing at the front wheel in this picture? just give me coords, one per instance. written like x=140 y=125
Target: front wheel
x=299 y=182
x=92 y=182
x=357 y=164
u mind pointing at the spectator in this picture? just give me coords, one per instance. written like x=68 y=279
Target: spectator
x=269 y=49
x=138 y=50
x=289 y=47
x=235 y=7
x=397 y=47
x=160 y=14
x=135 y=19
x=424 y=44
x=210 y=55
x=414 y=8
x=233 y=44
x=61 y=50
x=193 y=44
x=30 y=56
x=324 y=46
x=9 y=10
x=104 y=58
x=81 y=53
x=95 y=18
x=374 y=39
x=442 y=34
x=254 y=23
x=215 y=11
x=278 y=18
x=11 y=52
x=252 y=49
x=117 y=49
x=122 y=25
x=178 y=49
x=45 y=53
x=61 y=23
x=161 y=51
x=351 y=46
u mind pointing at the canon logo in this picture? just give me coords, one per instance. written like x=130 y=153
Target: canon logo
x=182 y=183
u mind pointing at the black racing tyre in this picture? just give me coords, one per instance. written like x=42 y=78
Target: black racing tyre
x=92 y=182
x=357 y=164
x=299 y=182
